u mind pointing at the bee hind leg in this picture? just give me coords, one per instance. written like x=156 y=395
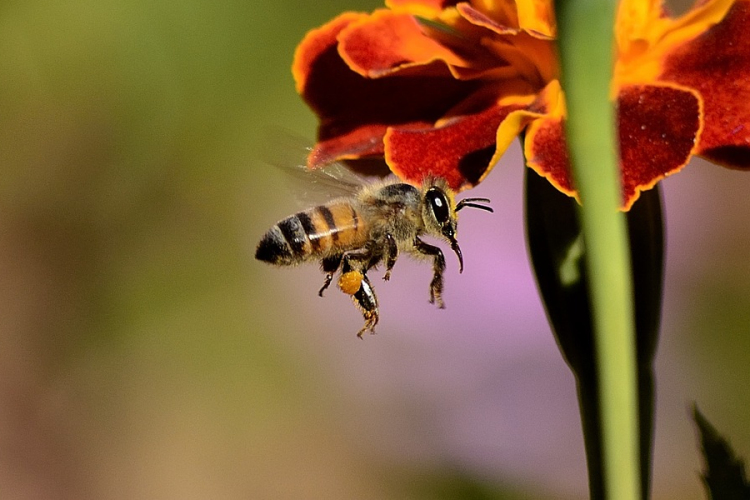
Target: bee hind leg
x=329 y=265
x=438 y=266
x=367 y=302
x=354 y=281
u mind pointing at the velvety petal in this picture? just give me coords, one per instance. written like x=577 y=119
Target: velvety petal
x=461 y=151
x=546 y=152
x=717 y=65
x=658 y=131
x=315 y=44
x=361 y=142
x=658 y=128
x=355 y=111
x=545 y=149
x=386 y=41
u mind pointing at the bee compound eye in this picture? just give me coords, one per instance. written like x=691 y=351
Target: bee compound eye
x=439 y=204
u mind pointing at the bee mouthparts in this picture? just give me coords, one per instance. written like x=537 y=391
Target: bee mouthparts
x=455 y=248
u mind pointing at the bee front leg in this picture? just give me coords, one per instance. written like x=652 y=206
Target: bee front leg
x=390 y=256
x=438 y=266
x=329 y=265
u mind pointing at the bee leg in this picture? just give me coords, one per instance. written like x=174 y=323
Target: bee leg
x=354 y=281
x=329 y=265
x=367 y=302
x=390 y=256
x=361 y=260
x=438 y=266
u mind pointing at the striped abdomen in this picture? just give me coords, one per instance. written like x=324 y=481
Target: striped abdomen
x=314 y=233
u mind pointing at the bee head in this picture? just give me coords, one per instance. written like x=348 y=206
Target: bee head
x=439 y=212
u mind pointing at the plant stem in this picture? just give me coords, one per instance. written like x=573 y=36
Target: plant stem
x=586 y=36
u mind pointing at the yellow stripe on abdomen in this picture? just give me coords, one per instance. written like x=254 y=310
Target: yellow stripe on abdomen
x=351 y=229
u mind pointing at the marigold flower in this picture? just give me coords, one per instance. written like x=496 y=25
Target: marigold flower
x=439 y=87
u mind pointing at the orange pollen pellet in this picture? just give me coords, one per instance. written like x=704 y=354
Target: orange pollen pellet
x=350 y=282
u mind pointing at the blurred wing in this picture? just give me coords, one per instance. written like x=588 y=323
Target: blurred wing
x=288 y=155
x=321 y=185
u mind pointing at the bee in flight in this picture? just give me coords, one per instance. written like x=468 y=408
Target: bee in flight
x=374 y=223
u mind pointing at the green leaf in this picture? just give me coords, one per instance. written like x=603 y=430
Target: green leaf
x=724 y=476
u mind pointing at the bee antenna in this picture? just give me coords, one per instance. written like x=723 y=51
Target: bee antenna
x=470 y=202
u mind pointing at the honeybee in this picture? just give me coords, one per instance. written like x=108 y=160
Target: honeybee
x=375 y=223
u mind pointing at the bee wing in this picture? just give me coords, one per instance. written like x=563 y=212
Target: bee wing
x=311 y=187
x=321 y=185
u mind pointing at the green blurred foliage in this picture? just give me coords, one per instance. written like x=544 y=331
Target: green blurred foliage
x=134 y=365
x=137 y=358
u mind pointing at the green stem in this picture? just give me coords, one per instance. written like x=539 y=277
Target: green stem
x=586 y=35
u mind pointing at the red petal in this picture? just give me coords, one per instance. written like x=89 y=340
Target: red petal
x=365 y=141
x=317 y=42
x=386 y=41
x=657 y=129
x=546 y=152
x=460 y=151
x=717 y=65
x=658 y=132
x=355 y=111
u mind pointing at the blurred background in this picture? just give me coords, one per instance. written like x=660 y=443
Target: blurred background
x=144 y=353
